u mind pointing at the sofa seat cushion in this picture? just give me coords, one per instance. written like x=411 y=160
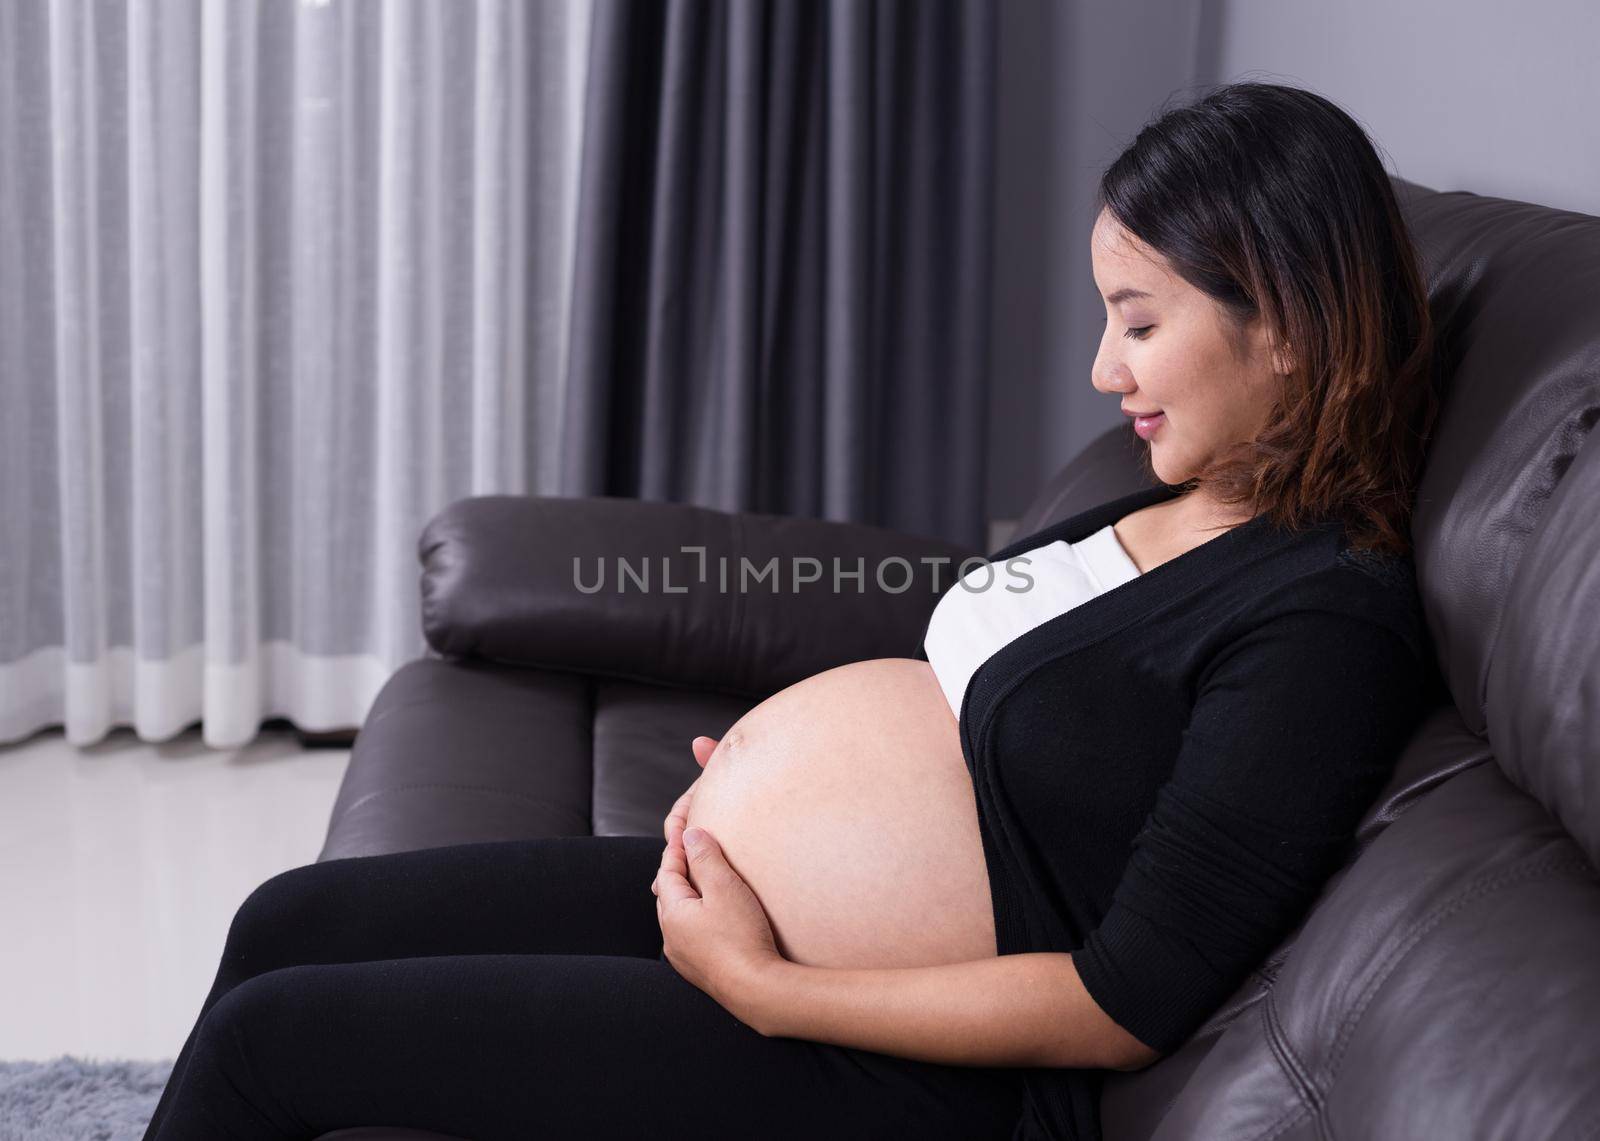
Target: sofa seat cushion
x=457 y=752
x=642 y=760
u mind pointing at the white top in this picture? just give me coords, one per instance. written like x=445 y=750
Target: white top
x=993 y=604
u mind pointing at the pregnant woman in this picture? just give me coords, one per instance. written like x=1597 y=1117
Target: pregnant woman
x=938 y=896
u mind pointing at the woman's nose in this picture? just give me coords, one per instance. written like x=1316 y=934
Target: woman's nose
x=1109 y=378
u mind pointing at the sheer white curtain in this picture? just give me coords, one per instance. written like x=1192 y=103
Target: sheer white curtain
x=278 y=281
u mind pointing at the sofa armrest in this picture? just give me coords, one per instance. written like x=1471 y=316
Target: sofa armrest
x=673 y=593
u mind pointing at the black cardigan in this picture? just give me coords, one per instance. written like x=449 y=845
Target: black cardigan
x=1167 y=774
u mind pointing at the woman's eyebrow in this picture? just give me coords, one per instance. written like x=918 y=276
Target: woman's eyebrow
x=1126 y=293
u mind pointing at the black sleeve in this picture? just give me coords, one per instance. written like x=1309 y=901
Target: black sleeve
x=1295 y=729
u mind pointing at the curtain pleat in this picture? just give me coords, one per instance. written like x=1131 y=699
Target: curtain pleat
x=784 y=260
x=278 y=282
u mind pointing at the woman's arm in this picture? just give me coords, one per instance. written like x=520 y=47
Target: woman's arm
x=1294 y=732
x=1014 y=1010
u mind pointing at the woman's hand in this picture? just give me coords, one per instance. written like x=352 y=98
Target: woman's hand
x=678 y=818
x=714 y=931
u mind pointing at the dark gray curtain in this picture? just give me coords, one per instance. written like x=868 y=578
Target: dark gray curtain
x=783 y=260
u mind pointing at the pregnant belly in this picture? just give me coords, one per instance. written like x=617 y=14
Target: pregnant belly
x=845 y=803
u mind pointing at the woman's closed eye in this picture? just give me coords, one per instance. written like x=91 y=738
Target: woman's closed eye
x=1137 y=332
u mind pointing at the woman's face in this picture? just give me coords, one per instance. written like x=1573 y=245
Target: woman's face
x=1166 y=349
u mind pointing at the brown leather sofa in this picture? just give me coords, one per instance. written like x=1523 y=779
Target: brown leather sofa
x=1447 y=983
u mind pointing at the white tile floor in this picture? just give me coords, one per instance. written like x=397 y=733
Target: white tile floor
x=121 y=866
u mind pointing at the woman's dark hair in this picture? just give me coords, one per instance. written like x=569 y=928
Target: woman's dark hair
x=1273 y=201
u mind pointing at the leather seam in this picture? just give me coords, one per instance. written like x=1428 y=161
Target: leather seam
x=373 y=795
x=605 y=674
x=420 y=703
x=1474 y=891
x=1226 y=1016
x=1483 y=886
x=1288 y=1060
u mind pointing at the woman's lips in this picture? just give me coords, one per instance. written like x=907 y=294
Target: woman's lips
x=1146 y=426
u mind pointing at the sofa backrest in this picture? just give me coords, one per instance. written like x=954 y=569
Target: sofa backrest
x=1506 y=552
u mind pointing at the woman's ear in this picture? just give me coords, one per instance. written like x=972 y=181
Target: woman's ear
x=1283 y=359
x=1257 y=337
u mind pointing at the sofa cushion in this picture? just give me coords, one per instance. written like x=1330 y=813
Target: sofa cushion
x=457 y=752
x=1515 y=295
x=642 y=760
x=1543 y=697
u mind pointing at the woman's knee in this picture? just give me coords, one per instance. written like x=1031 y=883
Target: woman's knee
x=255 y=1007
x=274 y=919
x=240 y=1042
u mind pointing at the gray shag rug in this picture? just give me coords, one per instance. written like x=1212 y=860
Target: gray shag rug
x=74 y=1099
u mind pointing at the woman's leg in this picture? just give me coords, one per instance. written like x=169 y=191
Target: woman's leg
x=498 y=1047
x=567 y=894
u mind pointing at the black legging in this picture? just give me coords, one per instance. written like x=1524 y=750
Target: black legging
x=509 y=990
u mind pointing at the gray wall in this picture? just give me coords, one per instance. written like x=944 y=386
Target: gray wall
x=1478 y=95
x=1473 y=95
